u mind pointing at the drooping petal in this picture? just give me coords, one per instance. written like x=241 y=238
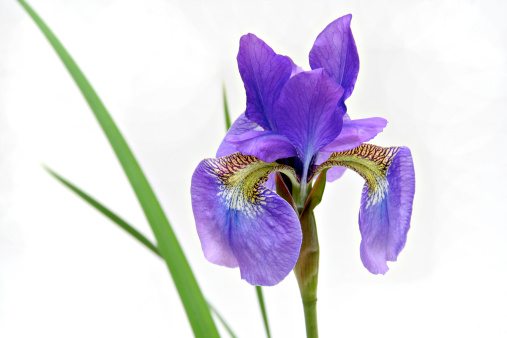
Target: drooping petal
x=386 y=203
x=335 y=51
x=240 y=126
x=242 y=223
x=264 y=73
x=266 y=145
x=306 y=112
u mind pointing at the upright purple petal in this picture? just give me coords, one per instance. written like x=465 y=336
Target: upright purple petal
x=386 y=203
x=266 y=145
x=242 y=223
x=264 y=73
x=240 y=126
x=306 y=112
x=335 y=51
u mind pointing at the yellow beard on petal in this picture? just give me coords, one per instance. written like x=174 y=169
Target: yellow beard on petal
x=241 y=177
x=369 y=161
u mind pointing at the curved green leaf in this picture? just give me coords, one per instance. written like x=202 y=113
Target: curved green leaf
x=129 y=229
x=191 y=296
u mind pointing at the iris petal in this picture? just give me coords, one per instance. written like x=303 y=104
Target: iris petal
x=335 y=51
x=266 y=145
x=353 y=134
x=242 y=223
x=264 y=73
x=306 y=112
x=240 y=126
x=386 y=203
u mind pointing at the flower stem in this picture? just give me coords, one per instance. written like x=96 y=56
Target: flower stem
x=263 y=310
x=307 y=270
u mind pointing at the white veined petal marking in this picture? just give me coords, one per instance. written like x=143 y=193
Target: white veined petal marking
x=240 y=179
x=371 y=162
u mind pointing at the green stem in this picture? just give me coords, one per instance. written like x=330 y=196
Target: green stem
x=263 y=309
x=307 y=270
x=312 y=329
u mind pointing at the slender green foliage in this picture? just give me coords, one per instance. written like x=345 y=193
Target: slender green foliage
x=106 y=212
x=226 y=110
x=260 y=297
x=128 y=228
x=221 y=319
x=191 y=296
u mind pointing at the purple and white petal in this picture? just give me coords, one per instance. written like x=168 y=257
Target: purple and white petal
x=240 y=126
x=264 y=73
x=242 y=223
x=266 y=145
x=335 y=50
x=386 y=203
x=306 y=112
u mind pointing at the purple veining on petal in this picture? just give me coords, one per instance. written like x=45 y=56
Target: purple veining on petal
x=335 y=51
x=306 y=112
x=385 y=220
x=264 y=73
x=241 y=223
x=266 y=145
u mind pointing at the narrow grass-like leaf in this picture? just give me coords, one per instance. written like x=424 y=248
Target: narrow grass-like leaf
x=226 y=110
x=260 y=297
x=221 y=319
x=191 y=296
x=106 y=212
x=128 y=228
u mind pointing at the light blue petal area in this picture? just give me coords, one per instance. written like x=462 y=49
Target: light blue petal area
x=240 y=126
x=242 y=223
x=386 y=203
x=335 y=51
x=264 y=73
x=306 y=112
x=266 y=145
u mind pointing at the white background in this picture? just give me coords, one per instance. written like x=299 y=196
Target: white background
x=435 y=70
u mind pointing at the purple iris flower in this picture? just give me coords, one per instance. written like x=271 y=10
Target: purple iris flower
x=295 y=125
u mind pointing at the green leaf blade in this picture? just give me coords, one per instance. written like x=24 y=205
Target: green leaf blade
x=226 y=109
x=106 y=212
x=262 y=306
x=129 y=229
x=191 y=296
